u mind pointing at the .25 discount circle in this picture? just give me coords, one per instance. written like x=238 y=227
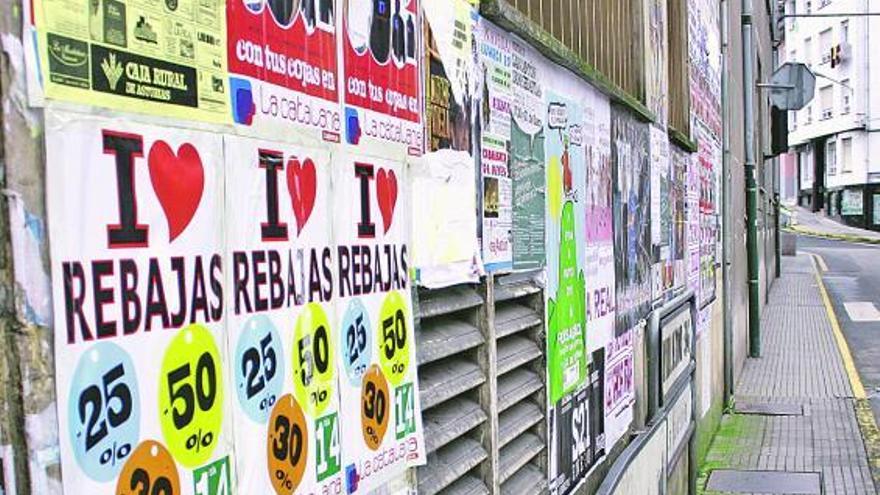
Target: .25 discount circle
x=287 y=445
x=259 y=373
x=149 y=470
x=103 y=410
x=356 y=341
x=374 y=407
x=191 y=395
x=394 y=338
x=313 y=360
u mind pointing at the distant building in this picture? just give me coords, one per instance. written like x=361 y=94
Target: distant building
x=835 y=138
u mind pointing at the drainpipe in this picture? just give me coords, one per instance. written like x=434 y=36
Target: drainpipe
x=725 y=210
x=751 y=182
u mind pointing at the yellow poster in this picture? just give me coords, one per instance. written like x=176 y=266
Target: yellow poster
x=165 y=57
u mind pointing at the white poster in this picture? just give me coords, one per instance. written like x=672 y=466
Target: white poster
x=661 y=264
x=443 y=221
x=494 y=79
x=136 y=225
x=283 y=337
x=378 y=387
x=599 y=225
x=619 y=387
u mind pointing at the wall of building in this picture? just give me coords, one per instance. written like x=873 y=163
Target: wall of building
x=493 y=116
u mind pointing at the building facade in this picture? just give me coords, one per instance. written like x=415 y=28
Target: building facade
x=834 y=137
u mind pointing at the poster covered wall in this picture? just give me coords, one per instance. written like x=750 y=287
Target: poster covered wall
x=632 y=220
x=493 y=80
x=661 y=216
x=129 y=55
x=136 y=220
x=527 y=144
x=283 y=66
x=282 y=328
x=567 y=361
x=619 y=387
x=380 y=411
x=281 y=339
x=678 y=202
x=708 y=158
x=382 y=75
x=598 y=194
x=444 y=199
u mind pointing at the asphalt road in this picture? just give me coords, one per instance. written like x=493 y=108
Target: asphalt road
x=853 y=281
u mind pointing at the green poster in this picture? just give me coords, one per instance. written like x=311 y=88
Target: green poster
x=566 y=362
x=527 y=171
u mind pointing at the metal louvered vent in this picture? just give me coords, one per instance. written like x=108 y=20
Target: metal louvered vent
x=451 y=346
x=519 y=333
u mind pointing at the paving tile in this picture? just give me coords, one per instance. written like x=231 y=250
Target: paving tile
x=800 y=368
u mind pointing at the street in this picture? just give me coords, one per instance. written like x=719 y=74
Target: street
x=851 y=272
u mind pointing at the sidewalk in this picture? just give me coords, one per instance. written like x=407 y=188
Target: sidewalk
x=806 y=222
x=800 y=366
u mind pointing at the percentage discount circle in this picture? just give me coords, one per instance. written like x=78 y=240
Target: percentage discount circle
x=313 y=360
x=374 y=407
x=150 y=469
x=287 y=445
x=191 y=395
x=394 y=337
x=259 y=368
x=357 y=341
x=103 y=410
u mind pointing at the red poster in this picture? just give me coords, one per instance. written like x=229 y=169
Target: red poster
x=285 y=52
x=380 y=57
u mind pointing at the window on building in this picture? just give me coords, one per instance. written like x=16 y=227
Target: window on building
x=846 y=155
x=825 y=45
x=831 y=157
x=845 y=94
x=808 y=115
x=809 y=6
x=826 y=100
x=844 y=32
x=792 y=118
x=808 y=52
x=806 y=165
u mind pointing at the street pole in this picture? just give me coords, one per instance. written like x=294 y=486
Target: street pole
x=751 y=182
x=725 y=209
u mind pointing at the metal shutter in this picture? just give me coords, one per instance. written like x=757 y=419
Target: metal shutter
x=450 y=340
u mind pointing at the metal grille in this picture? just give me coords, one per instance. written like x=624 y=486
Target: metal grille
x=607 y=34
x=450 y=342
x=481 y=373
x=522 y=437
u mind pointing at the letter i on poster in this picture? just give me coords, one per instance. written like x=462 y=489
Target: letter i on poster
x=379 y=408
x=135 y=221
x=283 y=340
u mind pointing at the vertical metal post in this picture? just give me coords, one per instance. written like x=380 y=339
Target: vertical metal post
x=751 y=181
x=726 y=295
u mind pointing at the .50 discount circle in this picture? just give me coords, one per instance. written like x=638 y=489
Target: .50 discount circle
x=394 y=338
x=191 y=395
x=313 y=360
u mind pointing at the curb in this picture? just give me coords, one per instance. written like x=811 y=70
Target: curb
x=861 y=405
x=827 y=235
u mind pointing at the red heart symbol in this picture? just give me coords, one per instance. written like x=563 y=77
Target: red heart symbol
x=301 y=184
x=386 y=189
x=179 y=181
